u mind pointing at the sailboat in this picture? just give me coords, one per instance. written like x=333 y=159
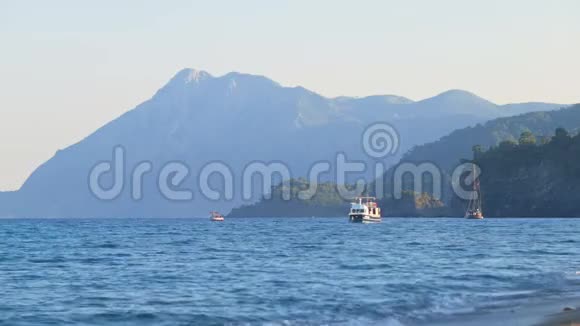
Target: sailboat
x=474 y=208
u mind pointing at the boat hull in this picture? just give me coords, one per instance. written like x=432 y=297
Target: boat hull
x=364 y=219
x=474 y=217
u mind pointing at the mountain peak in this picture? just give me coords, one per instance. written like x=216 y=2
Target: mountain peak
x=390 y=99
x=459 y=96
x=457 y=93
x=189 y=75
x=254 y=79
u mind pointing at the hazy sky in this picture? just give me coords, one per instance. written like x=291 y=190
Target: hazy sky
x=68 y=67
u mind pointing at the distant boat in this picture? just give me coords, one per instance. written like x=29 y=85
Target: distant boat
x=216 y=217
x=474 y=215
x=474 y=208
x=364 y=210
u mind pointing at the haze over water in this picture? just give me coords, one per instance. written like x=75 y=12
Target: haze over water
x=282 y=271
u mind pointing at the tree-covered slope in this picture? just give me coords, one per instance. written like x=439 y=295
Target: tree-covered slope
x=327 y=202
x=532 y=177
x=449 y=150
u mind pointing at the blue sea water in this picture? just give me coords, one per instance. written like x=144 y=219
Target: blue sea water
x=279 y=271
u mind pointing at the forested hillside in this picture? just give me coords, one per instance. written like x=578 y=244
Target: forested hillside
x=447 y=151
x=533 y=177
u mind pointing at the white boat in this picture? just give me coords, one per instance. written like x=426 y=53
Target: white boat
x=364 y=210
x=474 y=215
x=216 y=217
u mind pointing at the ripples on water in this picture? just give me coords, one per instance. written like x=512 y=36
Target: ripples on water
x=280 y=271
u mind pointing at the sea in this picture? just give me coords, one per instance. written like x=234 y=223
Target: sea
x=286 y=271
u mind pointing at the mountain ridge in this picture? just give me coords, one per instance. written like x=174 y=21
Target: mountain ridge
x=236 y=119
x=450 y=94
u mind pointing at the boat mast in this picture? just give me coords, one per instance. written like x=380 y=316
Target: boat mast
x=475 y=200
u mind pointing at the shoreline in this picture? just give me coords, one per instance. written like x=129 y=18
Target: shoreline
x=546 y=313
x=570 y=318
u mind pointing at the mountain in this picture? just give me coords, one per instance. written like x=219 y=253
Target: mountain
x=521 y=108
x=6 y=202
x=235 y=119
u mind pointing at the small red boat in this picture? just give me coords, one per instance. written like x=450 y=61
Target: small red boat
x=216 y=217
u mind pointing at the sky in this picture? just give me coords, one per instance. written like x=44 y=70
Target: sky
x=69 y=67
